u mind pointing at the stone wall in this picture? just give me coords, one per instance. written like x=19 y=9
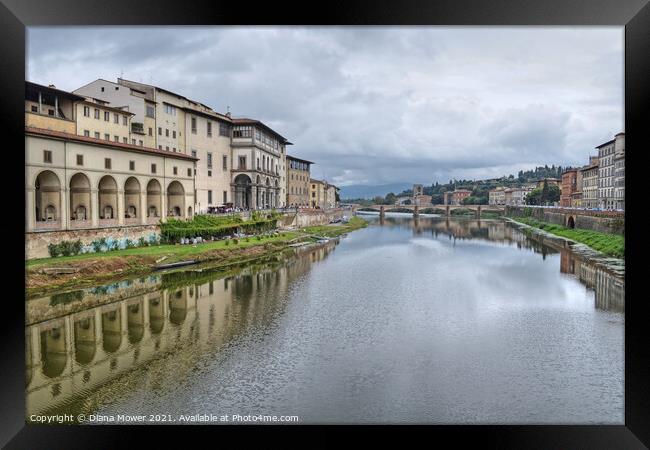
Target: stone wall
x=309 y=218
x=36 y=242
x=601 y=221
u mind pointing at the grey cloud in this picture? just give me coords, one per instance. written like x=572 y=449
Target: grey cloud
x=374 y=105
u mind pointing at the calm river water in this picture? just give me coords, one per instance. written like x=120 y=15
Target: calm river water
x=406 y=321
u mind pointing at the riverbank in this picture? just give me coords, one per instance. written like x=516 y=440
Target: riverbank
x=608 y=244
x=43 y=276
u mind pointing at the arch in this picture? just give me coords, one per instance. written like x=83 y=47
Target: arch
x=175 y=199
x=48 y=196
x=571 y=222
x=107 y=197
x=131 y=197
x=154 y=198
x=54 y=356
x=178 y=307
x=84 y=340
x=189 y=211
x=80 y=197
x=242 y=191
x=135 y=321
x=156 y=315
x=111 y=330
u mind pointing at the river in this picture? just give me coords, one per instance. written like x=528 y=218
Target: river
x=405 y=321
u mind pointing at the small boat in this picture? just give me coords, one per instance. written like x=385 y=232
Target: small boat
x=172 y=265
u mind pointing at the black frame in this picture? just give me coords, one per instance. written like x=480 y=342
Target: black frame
x=15 y=15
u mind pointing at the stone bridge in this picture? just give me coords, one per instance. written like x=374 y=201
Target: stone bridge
x=445 y=208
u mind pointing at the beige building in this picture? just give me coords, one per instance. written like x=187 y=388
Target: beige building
x=78 y=181
x=589 y=175
x=608 y=154
x=96 y=119
x=330 y=195
x=619 y=171
x=317 y=195
x=497 y=196
x=298 y=182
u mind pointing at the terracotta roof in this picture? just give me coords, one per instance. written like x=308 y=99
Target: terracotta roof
x=104 y=143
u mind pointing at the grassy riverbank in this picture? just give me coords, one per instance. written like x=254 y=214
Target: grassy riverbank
x=96 y=268
x=609 y=244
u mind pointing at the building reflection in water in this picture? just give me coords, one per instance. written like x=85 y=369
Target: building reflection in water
x=68 y=357
x=608 y=288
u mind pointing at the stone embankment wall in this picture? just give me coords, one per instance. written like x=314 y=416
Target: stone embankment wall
x=601 y=221
x=36 y=242
x=308 y=218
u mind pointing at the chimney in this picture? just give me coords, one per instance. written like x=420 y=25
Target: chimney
x=52 y=86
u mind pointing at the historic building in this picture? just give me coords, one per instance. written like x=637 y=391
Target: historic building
x=619 y=171
x=298 y=182
x=456 y=197
x=78 y=181
x=568 y=187
x=607 y=155
x=497 y=196
x=590 y=183
x=258 y=163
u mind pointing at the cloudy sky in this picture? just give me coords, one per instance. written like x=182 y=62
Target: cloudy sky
x=375 y=105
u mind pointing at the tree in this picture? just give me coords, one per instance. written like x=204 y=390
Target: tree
x=391 y=198
x=544 y=197
x=533 y=197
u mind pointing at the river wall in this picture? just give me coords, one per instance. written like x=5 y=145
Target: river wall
x=36 y=242
x=601 y=221
x=312 y=217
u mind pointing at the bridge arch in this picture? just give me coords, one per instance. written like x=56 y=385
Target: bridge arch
x=570 y=222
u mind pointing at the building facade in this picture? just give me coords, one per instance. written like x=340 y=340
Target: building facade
x=298 y=182
x=606 y=171
x=456 y=197
x=497 y=196
x=619 y=171
x=590 y=183
x=568 y=187
x=317 y=195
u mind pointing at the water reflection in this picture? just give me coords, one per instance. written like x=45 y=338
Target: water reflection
x=80 y=352
x=424 y=320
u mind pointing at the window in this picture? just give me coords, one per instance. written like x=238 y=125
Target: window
x=131 y=165
x=209 y=160
x=171 y=110
x=175 y=170
x=87 y=133
x=116 y=118
x=159 y=131
x=258 y=164
x=209 y=173
x=225 y=162
x=116 y=138
x=153 y=168
x=224 y=129
x=102 y=88
x=107 y=163
x=209 y=197
x=150 y=131
x=107 y=116
x=141 y=143
x=166 y=132
x=34 y=108
x=87 y=111
x=107 y=137
x=80 y=160
x=209 y=129
x=125 y=120
x=189 y=173
x=47 y=156
x=133 y=141
x=150 y=111
x=167 y=147
x=242 y=132
x=160 y=147
x=242 y=163
x=193 y=125
x=174 y=134
x=96 y=114
x=225 y=197
x=193 y=153
x=125 y=140
x=50 y=112
x=97 y=135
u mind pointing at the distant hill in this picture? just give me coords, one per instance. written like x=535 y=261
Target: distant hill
x=366 y=191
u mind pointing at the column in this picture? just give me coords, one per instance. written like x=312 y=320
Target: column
x=30 y=213
x=254 y=196
x=94 y=207
x=65 y=209
x=142 y=211
x=120 y=207
x=163 y=205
